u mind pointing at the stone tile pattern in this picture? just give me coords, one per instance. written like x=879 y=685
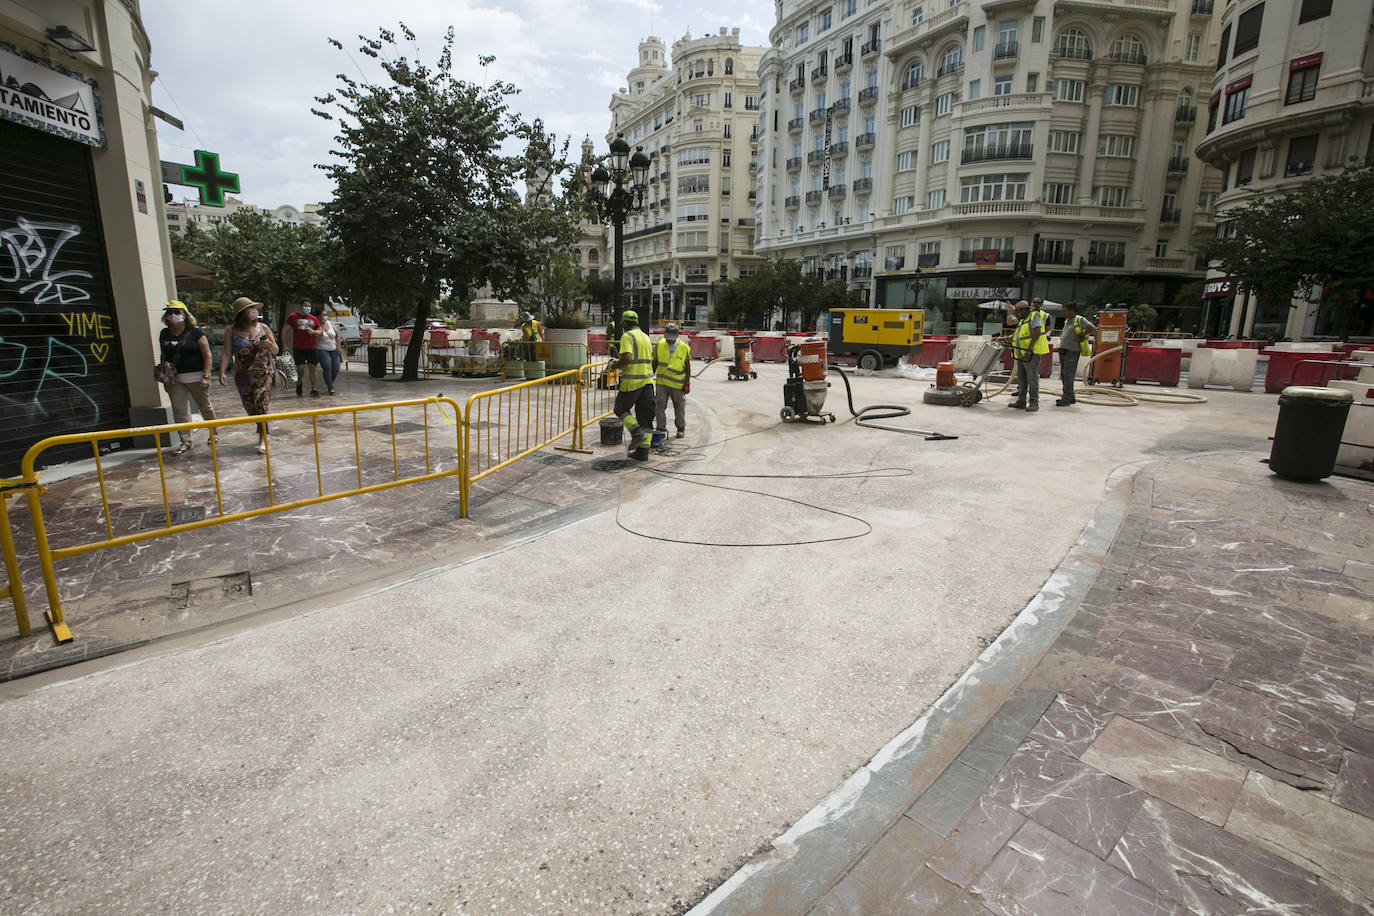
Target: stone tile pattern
x=1211 y=746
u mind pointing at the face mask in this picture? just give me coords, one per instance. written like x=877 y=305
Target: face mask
x=252 y=314
x=175 y=318
x=306 y=310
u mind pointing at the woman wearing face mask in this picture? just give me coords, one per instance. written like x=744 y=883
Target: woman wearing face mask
x=187 y=348
x=328 y=352
x=252 y=345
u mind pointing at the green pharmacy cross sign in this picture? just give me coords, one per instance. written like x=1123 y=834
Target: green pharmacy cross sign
x=204 y=176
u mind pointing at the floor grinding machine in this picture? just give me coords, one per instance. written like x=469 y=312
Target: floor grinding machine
x=950 y=393
x=803 y=394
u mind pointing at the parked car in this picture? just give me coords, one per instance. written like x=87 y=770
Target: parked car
x=431 y=323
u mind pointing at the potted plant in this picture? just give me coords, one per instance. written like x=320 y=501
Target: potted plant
x=565 y=330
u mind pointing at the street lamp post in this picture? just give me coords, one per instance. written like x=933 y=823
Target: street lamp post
x=616 y=193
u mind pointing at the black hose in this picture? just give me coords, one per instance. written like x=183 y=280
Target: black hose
x=865 y=416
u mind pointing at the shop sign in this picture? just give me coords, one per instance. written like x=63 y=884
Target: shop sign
x=977 y=292
x=53 y=99
x=984 y=258
x=1306 y=62
x=1218 y=289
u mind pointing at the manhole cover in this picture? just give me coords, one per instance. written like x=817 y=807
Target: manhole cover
x=499 y=508
x=554 y=460
x=182 y=515
x=612 y=464
x=228 y=587
x=400 y=428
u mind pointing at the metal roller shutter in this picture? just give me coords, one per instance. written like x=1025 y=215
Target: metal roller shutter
x=60 y=369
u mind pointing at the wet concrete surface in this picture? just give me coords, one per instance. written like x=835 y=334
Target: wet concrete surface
x=594 y=699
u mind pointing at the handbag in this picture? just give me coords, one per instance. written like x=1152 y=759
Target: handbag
x=165 y=373
x=286 y=368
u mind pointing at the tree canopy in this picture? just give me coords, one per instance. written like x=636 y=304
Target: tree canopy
x=1318 y=235
x=781 y=288
x=424 y=194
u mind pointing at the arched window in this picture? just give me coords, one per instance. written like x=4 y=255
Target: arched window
x=1128 y=49
x=1073 y=43
x=914 y=74
x=593 y=256
x=1185 y=98
x=729 y=65
x=951 y=60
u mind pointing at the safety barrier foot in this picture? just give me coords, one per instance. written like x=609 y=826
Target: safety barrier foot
x=60 y=632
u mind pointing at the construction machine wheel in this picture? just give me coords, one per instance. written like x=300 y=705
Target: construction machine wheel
x=870 y=360
x=788 y=414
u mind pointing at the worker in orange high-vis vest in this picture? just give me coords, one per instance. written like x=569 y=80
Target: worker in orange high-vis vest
x=636 y=394
x=672 y=380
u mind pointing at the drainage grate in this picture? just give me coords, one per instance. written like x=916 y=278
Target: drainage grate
x=401 y=428
x=500 y=508
x=613 y=464
x=553 y=460
x=182 y=515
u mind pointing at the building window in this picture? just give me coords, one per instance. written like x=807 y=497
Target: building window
x=975 y=89
x=910 y=115
x=914 y=74
x=1161 y=248
x=1058 y=193
x=827 y=20
x=1110 y=195
x=1205 y=201
x=1302 y=85
x=725 y=128
x=928 y=248
x=1001 y=85
x=1128 y=49
x=1000 y=244
x=803 y=33
x=1118 y=146
x=934 y=201
x=894 y=257
x=694 y=155
x=1055 y=251
x=918 y=15
x=1245 y=168
x=1248 y=30
x=693 y=213
x=979 y=37
x=939 y=152
x=729 y=65
x=1192 y=50
x=725 y=157
x=1032 y=82
x=694 y=184
x=952 y=60
x=944 y=104
x=1107 y=254
x=729 y=100
x=1074 y=43
x=1235 y=105
x=1067 y=90
x=1212 y=116
x=1302 y=153
x=993 y=187
x=1314 y=9
x=902 y=205
x=906 y=161
x=1037 y=30
x=1225 y=42
x=1063 y=141
x=1121 y=95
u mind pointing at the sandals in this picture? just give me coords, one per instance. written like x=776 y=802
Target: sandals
x=181 y=449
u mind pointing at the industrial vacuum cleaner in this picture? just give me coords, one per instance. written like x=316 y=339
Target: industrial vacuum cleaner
x=742 y=367
x=803 y=394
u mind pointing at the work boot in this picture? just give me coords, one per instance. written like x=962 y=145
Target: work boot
x=1062 y=403
x=640 y=454
x=681 y=433
x=1032 y=406
x=1018 y=405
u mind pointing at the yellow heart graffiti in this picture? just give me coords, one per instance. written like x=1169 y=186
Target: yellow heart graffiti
x=100 y=351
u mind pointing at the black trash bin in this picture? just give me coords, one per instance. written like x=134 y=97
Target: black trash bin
x=376 y=361
x=1308 y=434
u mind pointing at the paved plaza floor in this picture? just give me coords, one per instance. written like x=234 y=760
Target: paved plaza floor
x=1086 y=660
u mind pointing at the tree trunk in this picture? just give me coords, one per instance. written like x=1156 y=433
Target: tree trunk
x=410 y=369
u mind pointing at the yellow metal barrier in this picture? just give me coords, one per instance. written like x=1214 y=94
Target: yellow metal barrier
x=433 y=470
x=13 y=589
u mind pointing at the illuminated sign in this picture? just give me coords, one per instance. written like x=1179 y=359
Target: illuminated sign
x=204 y=176
x=1218 y=289
x=50 y=98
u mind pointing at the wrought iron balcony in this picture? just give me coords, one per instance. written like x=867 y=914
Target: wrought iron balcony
x=1170 y=215
x=843 y=62
x=1185 y=114
x=999 y=151
x=949 y=69
x=1178 y=164
x=871 y=47
x=911 y=83
x=1203 y=7
x=817 y=115
x=816 y=155
x=793 y=163
x=1128 y=57
x=1054 y=257
x=1005 y=50
x=839 y=148
x=865 y=141
x=819 y=74
x=966 y=255
x=792 y=202
x=813 y=197
x=868 y=95
x=836 y=190
x=1105 y=259
x=795 y=124
x=840 y=107
x=1068 y=52
x=863 y=185
x=862 y=273
x=797 y=85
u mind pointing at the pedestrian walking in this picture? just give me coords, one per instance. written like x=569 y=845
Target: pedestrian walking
x=1028 y=343
x=634 y=402
x=672 y=379
x=301 y=334
x=1075 y=340
x=186 y=348
x=328 y=351
x=249 y=341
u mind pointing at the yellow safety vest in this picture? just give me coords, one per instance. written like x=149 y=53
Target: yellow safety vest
x=639 y=372
x=1085 y=344
x=1021 y=339
x=533 y=331
x=672 y=367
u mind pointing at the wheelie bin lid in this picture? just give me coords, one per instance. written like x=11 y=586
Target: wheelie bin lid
x=1316 y=394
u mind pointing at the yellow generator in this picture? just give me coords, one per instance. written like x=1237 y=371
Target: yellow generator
x=876 y=337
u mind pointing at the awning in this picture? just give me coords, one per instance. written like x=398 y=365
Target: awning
x=192 y=276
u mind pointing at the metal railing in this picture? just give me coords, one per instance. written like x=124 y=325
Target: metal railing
x=12 y=588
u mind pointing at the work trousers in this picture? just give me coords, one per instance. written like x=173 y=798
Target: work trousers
x=1068 y=371
x=1028 y=378
x=662 y=395
x=181 y=394
x=640 y=402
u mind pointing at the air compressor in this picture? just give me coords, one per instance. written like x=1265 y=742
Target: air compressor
x=803 y=394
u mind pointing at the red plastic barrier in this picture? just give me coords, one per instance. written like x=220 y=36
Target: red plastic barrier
x=438 y=339
x=404 y=335
x=365 y=334
x=1046 y=363
x=770 y=349
x=704 y=347
x=597 y=344
x=1154 y=364
x=933 y=352
x=1283 y=363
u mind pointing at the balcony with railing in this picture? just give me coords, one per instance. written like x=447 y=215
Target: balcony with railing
x=1135 y=58
x=870 y=47
x=966 y=255
x=816 y=155
x=1170 y=215
x=793 y=163
x=792 y=202
x=797 y=85
x=819 y=74
x=1005 y=50
x=839 y=148
x=865 y=141
x=843 y=62
x=817 y=115
x=1185 y=114
x=840 y=107
x=863 y=185
x=990 y=152
x=836 y=190
x=911 y=82
x=1073 y=52
x=796 y=124
x=947 y=69
x=813 y=197
x=746 y=222
x=868 y=95
x=1106 y=259
x=1203 y=7
x=1054 y=256
x=861 y=272
x=1178 y=165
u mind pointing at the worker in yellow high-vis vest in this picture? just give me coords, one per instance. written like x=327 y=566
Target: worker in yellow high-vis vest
x=1028 y=343
x=672 y=379
x=636 y=394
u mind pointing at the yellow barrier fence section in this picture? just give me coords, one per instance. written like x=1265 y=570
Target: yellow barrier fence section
x=13 y=589
x=426 y=457
x=598 y=383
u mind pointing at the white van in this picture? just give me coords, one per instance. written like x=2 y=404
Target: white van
x=346 y=321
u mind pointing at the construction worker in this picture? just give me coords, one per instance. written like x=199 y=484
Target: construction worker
x=1046 y=319
x=613 y=338
x=672 y=379
x=1075 y=340
x=636 y=394
x=1028 y=343
x=531 y=332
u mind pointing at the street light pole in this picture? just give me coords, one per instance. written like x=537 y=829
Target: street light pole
x=617 y=192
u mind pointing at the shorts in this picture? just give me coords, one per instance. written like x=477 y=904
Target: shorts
x=306 y=356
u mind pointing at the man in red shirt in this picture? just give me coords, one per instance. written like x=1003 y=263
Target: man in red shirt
x=301 y=334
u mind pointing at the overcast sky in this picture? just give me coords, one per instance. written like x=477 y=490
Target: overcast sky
x=243 y=76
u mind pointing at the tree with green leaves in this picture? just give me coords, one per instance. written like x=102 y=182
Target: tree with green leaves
x=424 y=195
x=1317 y=236
x=781 y=288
